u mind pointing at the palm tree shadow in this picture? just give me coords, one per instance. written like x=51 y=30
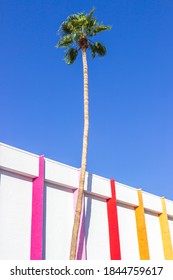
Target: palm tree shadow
x=85 y=223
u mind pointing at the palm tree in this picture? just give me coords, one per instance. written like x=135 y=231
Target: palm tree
x=75 y=33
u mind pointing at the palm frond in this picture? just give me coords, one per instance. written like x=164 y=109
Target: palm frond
x=71 y=55
x=100 y=49
x=90 y=26
x=89 y=16
x=74 y=16
x=66 y=28
x=77 y=35
x=65 y=42
x=76 y=20
x=100 y=28
x=97 y=49
x=93 y=51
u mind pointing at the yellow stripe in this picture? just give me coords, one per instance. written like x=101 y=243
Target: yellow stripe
x=141 y=229
x=165 y=232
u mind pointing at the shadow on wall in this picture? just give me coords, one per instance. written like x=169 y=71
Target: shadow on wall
x=85 y=223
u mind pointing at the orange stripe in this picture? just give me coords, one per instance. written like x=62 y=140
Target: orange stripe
x=165 y=232
x=141 y=229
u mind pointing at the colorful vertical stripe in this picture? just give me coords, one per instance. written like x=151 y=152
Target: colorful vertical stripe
x=165 y=232
x=141 y=229
x=37 y=214
x=115 y=252
x=81 y=249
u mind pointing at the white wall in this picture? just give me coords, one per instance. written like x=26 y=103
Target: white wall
x=15 y=216
x=170 y=220
x=128 y=233
x=154 y=236
x=59 y=214
x=96 y=228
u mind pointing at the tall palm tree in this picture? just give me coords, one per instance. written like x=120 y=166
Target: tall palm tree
x=75 y=33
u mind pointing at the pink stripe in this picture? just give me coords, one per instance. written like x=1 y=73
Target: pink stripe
x=37 y=214
x=81 y=249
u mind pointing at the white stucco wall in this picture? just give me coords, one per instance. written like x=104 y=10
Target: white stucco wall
x=128 y=233
x=15 y=216
x=96 y=228
x=171 y=228
x=154 y=236
x=59 y=213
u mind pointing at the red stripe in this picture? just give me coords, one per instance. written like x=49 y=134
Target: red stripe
x=115 y=252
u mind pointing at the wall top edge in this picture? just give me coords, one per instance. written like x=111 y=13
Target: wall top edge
x=168 y=200
x=62 y=164
x=126 y=186
x=77 y=169
x=143 y=192
x=18 y=150
x=99 y=177
x=153 y=195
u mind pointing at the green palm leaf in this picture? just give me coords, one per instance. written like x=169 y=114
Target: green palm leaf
x=97 y=48
x=71 y=55
x=65 y=41
x=93 y=51
x=100 y=49
x=78 y=20
x=66 y=28
x=89 y=16
x=100 y=28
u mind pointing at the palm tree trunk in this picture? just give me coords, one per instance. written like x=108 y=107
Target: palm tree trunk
x=77 y=218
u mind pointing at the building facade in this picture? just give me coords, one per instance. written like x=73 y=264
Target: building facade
x=37 y=206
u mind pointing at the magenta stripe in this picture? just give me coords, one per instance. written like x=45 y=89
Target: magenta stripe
x=81 y=249
x=37 y=214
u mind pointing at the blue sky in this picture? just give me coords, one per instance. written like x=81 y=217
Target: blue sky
x=131 y=89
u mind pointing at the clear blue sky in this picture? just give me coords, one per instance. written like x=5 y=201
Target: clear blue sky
x=131 y=89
